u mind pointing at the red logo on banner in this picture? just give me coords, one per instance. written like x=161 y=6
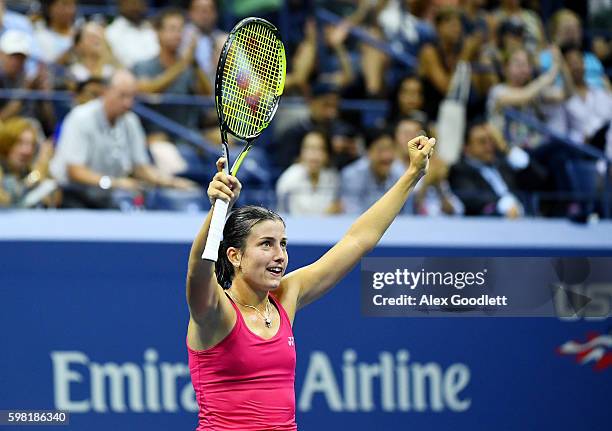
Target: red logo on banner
x=597 y=349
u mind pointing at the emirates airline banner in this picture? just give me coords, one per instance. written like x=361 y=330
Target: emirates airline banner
x=97 y=330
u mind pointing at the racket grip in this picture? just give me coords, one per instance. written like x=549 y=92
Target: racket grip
x=215 y=231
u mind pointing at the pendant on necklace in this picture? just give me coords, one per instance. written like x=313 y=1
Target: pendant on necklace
x=268 y=322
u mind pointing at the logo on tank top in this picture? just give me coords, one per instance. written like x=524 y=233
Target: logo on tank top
x=291 y=341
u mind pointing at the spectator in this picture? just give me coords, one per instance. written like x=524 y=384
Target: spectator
x=407 y=100
x=24 y=170
x=92 y=58
x=130 y=36
x=203 y=27
x=438 y=60
x=15 y=48
x=10 y=20
x=403 y=26
x=368 y=178
x=323 y=59
x=310 y=186
x=589 y=110
x=88 y=90
x=345 y=145
x=566 y=29
x=55 y=33
x=486 y=183
x=534 y=33
x=171 y=73
x=474 y=18
x=323 y=114
x=102 y=147
x=432 y=195
x=521 y=92
x=401 y=23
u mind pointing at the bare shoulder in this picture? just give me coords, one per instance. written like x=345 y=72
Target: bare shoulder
x=211 y=329
x=288 y=293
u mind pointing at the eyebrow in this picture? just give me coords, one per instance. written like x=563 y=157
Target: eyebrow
x=272 y=238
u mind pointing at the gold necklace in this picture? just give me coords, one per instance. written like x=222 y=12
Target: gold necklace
x=267 y=318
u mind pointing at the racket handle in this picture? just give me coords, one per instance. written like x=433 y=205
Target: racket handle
x=215 y=231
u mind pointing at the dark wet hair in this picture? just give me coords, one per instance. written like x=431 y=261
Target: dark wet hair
x=237 y=228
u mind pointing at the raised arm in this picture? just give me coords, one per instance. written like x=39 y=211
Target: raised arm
x=202 y=290
x=313 y=281
x=522 y=96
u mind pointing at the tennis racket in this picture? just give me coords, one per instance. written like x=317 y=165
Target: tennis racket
x=249 y=82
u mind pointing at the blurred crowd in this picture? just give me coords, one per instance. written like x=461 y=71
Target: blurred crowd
x=445 y=68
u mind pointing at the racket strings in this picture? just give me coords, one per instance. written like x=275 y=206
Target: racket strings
x=253 y=81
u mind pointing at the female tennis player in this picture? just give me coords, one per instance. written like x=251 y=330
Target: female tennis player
x=239 y=340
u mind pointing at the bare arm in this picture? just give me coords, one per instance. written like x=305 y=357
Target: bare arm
x=161 y=82
x=150 y=174
x=304 y=59
x=202 y=289
x=345 y=76
x=432 y=68
x=203 y=86
x=81 y=174
x=525 y=95
x=12 y=108
x=5 y=198
x=313 y=281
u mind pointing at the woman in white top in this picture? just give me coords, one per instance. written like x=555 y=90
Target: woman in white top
x=310 y=186
x=92 y=57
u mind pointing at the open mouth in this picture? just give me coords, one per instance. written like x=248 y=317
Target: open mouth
x=275 y=270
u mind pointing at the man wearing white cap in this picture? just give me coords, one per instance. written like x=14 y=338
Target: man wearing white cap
x=15 y=47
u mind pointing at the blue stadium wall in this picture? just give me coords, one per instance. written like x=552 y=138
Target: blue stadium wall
x=93 y=320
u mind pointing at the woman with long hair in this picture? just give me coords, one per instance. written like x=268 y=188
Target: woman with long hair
x=239 y=339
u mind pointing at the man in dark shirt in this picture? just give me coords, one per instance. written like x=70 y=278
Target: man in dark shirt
x=322 y=115
x=489 y=176
x=172 y=72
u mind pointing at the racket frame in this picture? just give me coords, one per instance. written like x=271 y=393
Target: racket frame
x=221 y=207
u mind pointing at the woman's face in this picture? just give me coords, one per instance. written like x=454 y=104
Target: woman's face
x=264 y=260
x=20 y=156
x=518 y=69
x=92 y=39
x=313 y=153
x=410 y=97
x=450 y=30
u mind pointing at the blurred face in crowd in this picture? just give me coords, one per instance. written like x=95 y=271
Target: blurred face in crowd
x=410 y=96
x=92 y=39
x=313 y=153
x=512 y=4
x=203 y=13
x=449 y=30
x=480 y=145
x=324 y=108
x=21 y=154
x=518 y=68
x=119 y=97
x=89 y=91
x=13 y=64
x=382 y=154
x=133 y=10
x=575 y=62
x=569 y=30
x=404 y=132
x=62 y=12
x=171 y=32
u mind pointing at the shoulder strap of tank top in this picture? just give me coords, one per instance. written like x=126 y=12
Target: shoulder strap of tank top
x=239 y=319
x=281 y=309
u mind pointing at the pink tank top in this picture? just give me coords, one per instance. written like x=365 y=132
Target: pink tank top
x=246 y=382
